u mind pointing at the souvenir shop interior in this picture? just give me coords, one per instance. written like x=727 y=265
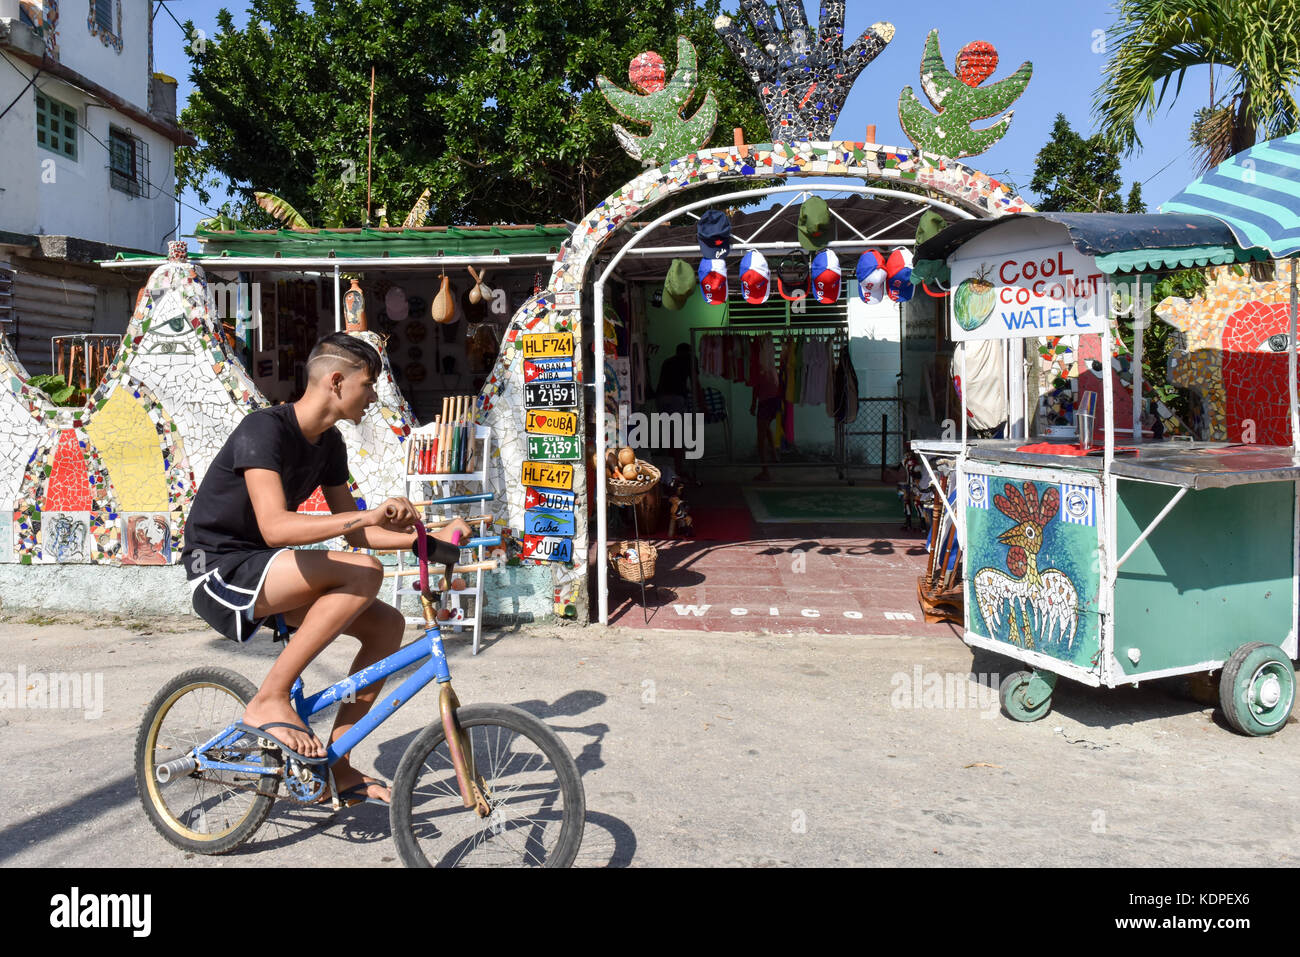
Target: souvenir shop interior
x=807 y=382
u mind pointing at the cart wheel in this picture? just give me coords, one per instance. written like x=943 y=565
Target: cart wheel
x=1024 y=698
x=1257 y=689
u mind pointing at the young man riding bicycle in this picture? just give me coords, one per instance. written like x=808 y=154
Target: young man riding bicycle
x=242 y=566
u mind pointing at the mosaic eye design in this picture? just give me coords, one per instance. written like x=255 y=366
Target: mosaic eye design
x=1278 y=342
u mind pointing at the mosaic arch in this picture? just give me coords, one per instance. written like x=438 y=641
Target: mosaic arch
x=557 y=308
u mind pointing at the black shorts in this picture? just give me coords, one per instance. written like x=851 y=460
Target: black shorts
x=224 y=595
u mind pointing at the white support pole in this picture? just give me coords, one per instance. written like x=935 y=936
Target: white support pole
x=1108 y=396
x=338 y=301
x=1139 y=327
x=602 y=524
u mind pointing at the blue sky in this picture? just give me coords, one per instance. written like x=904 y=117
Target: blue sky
x=1059 y=39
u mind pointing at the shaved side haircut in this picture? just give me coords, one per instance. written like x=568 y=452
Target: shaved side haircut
x=342 y=352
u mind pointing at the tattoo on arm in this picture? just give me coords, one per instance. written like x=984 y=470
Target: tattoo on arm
x=347 y=525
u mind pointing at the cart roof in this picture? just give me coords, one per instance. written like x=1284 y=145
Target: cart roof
x=1121 y=242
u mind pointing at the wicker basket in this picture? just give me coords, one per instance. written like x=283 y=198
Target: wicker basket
x=628 y=492
x=630 y=571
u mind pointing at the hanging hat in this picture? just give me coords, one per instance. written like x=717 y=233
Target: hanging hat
x=930 y=225
x=826 y=276
x=871 y=276
x=713 y=281
x=714 y=234
x=814 y=224
x=678 y=284
x=898 y=269
x=755 y=278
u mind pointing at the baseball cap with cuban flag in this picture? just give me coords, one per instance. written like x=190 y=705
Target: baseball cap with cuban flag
x=755 y=278
x=871 y=276
x=826 y=276
x=899 y=270
x=713 y=281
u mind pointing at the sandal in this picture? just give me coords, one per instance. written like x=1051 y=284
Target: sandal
x=262 y=733
x=358 y=791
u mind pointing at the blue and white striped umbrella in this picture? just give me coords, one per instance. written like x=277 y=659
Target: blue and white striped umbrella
x=1256 y=193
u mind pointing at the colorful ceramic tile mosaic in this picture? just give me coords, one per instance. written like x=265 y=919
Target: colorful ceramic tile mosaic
x=959 y=100
x=660 y=105
x=1236 y=337
x=802 y=78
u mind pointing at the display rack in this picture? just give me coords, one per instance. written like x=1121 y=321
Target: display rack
x=837 y=332
x=477 y=516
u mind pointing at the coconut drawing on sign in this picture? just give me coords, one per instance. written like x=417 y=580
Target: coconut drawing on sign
x=973 y=302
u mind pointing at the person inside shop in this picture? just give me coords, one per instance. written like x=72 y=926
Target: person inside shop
x=765 y=406
x=244 y=566
x=672 y=396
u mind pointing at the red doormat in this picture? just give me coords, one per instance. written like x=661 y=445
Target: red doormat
x=714 y=524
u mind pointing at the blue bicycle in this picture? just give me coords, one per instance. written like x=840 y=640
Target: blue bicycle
x=485 y=785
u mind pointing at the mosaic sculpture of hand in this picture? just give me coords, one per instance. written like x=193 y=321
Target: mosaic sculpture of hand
x=802 y=80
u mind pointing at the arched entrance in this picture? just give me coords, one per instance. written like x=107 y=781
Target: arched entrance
x=961 y=189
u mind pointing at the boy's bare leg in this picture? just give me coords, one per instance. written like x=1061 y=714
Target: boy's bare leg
x=334 y=587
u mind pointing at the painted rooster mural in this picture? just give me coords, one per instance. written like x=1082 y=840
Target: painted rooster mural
x=1048 y=596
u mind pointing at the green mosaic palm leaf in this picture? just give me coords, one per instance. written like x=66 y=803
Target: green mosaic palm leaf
x=948 y=132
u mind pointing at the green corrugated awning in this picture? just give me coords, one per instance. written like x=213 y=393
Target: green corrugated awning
x=394 y=242
x=1184 y=257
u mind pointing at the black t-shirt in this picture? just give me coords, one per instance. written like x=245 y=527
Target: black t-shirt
x=221 y=519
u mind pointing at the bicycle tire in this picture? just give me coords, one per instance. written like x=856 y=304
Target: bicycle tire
x=247 y=802
x=429 y=819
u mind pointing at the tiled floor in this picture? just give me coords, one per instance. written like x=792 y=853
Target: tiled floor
x=843 y=579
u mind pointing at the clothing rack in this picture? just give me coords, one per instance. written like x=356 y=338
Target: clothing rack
x=836 y=332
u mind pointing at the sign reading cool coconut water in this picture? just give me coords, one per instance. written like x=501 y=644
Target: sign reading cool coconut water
x=1019 y=293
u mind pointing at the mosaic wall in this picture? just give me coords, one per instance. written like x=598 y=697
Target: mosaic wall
x=111 y=481
x=1234 y=356
x=556 y=309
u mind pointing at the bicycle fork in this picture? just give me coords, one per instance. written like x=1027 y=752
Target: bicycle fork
x=473 y=789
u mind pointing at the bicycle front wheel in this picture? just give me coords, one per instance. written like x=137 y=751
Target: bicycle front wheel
x=531 y=781
x=209 y=812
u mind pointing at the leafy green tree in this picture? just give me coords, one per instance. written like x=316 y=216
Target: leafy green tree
x=1255 y=44
x=1077 y=175
x=492 y=105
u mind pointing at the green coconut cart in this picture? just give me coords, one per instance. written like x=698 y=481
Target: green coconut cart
x=1109 y=567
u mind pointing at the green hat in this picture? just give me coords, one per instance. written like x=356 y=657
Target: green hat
x=679 y=284
x=931 y=225
x=814 y=224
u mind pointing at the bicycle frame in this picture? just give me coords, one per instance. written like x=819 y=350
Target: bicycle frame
x=473 y=791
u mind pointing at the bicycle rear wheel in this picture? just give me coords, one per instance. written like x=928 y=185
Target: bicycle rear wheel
x=208 y=812
x=535 y=793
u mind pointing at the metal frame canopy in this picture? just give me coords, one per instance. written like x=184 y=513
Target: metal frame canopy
x=800 y=192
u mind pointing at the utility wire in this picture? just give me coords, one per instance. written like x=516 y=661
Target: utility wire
x=206 y=212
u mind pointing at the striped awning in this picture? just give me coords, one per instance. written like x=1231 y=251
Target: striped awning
x=1256 y=193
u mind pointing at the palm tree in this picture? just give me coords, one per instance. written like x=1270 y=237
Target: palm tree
x=1255 y=44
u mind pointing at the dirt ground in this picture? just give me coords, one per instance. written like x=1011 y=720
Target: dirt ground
x=698 y=749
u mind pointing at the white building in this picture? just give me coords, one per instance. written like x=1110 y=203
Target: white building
x=87 y=134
